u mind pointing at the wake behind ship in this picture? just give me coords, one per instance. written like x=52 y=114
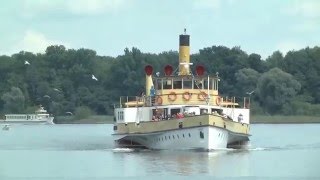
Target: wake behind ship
x=181 y=110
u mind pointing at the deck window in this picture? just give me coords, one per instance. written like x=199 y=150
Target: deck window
x=167 y=84
x=177 y=84
x=201 y=135
x=174 y=111
x=205 y=84
x=159 y=84
x=120 y=115
x=187 y=84
x=198 y=84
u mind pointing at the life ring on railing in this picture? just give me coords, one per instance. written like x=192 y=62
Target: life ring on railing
x=218 y=100
x=172 y=96
x=202 y=96
x=159 y=100
x=186 y=96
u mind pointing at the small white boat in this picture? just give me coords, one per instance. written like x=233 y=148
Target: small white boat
x=40 y=116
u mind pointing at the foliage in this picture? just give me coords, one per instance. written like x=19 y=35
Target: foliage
x=61 y=79
x=276 y=88
x=14 y=101
x=82 y=112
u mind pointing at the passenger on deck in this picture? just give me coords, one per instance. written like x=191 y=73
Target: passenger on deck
x=180 y=115
x=152 y=91
x=215 y=113
x=240 y=118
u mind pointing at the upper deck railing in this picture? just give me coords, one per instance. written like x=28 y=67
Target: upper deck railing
x=183 y=99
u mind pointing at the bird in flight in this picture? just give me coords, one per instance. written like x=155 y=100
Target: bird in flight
x=70 y=113
x=26 y=62
x=94 y=78
x=249 y=93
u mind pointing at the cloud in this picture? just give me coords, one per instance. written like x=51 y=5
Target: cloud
x=305 y=8
x=76 y=7
x=207 y=4
x=35 y=42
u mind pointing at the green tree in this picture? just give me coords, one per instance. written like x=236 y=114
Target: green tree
x=275 y=89
x=14 y=101
x=82 y=112
x=247 y=79
x=275 y=60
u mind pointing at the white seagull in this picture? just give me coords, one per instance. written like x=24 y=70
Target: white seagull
x=70 y=113
x=249 y=93
x=26 y=62
x=93 y=77
x=56 y=89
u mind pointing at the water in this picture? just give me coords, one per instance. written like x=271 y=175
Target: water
x=86 y=152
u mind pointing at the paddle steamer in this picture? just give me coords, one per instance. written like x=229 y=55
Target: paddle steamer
x=181 y=110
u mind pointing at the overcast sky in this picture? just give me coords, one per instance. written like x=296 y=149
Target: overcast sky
x=109 y=26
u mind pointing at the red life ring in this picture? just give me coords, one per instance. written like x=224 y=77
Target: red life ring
x=172 y=96
x=186 y=96
x=202 y=96
x=159 y=100
x=218 y=100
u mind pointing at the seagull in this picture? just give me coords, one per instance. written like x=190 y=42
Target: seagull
x=26 y=62
x=158 y=74
x=93 y=77
x=69 y=113
x=46 y=96
x=249 y=93
x=56 y=89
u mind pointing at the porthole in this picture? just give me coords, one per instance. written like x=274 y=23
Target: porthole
x=201 y=135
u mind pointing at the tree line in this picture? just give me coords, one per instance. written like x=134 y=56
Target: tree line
x=62 y=79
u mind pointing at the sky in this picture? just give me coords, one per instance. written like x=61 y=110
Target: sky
x=109 y=26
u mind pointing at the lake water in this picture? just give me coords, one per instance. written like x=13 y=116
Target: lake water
x=86 y=152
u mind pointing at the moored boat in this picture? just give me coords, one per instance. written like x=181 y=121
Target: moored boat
x=41 y=116
x=182 y=110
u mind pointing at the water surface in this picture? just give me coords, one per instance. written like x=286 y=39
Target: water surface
x=86 y=152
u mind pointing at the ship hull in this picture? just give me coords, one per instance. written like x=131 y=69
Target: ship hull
x=43 y=121
x=199 y=138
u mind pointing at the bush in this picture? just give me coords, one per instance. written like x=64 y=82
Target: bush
x=82 y=112
x=301 y=108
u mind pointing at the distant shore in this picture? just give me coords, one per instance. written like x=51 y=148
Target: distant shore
x=255 y=119
x=101 y=119
x=281 y=119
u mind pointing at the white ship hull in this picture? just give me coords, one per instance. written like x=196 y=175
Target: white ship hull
x=29 y=121
x=203 y=138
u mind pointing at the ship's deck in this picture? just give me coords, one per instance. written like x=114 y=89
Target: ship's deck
x=186 y=122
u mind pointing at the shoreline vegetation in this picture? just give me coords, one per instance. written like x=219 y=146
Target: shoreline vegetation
x=282 y=119
x=255 y=119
